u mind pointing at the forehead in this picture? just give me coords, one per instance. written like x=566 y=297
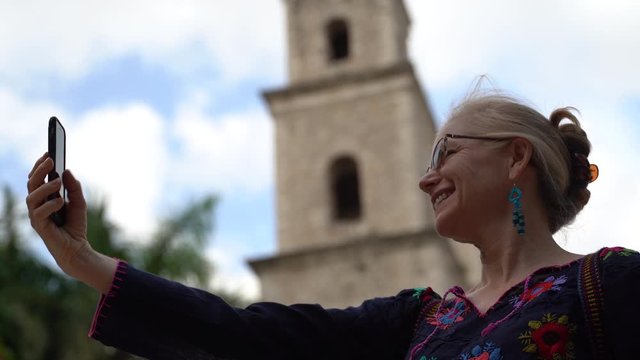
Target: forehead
x=458 y=125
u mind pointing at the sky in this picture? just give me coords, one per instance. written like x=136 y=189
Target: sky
x=162 y=102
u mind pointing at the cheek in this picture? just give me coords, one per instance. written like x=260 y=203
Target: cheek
x=484 y=186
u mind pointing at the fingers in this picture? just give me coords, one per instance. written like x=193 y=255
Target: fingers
x=39 y=196
x=36 y=178
x=38 y=162
x=40 y=215
x=39 y=192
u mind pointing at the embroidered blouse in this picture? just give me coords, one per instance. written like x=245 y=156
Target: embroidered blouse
x=540 y=318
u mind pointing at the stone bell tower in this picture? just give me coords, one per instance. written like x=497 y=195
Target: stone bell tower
x=353 y=134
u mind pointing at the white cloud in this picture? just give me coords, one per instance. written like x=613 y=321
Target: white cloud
x=133 y=157
x=120 y=155
x=232 y=153
x=23 y=126
x=591 y=47
x=117 y=153
x=68 y=38
x=125 y=153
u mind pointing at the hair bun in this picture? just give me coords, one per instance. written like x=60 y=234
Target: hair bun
x=578 y=149
x=572 y=134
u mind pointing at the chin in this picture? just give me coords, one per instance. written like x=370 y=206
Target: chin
x=444 y=228
x=450 y=229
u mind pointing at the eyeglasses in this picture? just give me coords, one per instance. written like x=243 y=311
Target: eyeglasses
x=440 y=151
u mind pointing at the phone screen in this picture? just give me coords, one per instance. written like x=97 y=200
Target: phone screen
x=57 y=140
x=60 y=148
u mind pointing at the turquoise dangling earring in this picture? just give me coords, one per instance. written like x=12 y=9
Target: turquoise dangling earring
x=518 y=217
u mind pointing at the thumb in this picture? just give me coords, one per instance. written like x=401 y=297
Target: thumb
x=74 y=189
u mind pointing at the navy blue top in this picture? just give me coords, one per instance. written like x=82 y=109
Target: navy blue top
x=540 y=318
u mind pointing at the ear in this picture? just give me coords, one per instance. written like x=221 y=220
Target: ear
x=520 y=152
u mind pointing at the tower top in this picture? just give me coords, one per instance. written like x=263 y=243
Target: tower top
x=331 y=38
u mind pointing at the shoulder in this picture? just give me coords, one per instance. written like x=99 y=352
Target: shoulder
x=405 y=302
x=620 y=272
x=424 y=302
x=617 y=259
x=399 y=311
x=419 y=295
x=420 y=299
x=620 y=269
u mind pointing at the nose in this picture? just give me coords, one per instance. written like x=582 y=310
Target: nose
x=429 y=180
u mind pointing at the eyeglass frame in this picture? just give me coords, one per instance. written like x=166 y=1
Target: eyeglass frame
x=592 y=170
x=444 y=138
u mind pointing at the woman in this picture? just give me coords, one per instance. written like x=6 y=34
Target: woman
x=502 y=178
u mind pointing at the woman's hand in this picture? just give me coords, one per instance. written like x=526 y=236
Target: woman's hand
x=68 y=244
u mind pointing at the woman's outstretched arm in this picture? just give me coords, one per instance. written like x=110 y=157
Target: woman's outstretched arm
x=157 y=318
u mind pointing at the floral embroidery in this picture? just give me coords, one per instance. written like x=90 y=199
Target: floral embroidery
x=550 y=338
x=423 y=357
x=417 y=292
x=487 y=352
x=606 y=253
x=550 y=283
x=424 y=295
x=450 y=316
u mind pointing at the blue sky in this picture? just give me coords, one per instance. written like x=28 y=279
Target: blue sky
x=178 y=83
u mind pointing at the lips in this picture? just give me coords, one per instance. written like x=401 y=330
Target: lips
x=440 y=196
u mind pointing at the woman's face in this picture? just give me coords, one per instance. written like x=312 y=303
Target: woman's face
x=470 y=188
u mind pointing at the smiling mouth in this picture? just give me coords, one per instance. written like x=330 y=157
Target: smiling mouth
x=442 y=197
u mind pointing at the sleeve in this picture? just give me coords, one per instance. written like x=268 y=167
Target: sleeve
x=156 y=318
x=621 y=288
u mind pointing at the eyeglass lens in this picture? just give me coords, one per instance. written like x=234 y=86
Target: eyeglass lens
x=438 y=153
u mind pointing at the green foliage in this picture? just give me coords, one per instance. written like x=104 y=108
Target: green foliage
x=46 y=315
x=176 y=251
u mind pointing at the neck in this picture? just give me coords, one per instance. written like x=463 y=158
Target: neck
x=508 y=258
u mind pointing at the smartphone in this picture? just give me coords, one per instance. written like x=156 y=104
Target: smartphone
x=57 y=151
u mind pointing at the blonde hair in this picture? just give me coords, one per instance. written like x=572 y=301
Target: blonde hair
x=556 y=147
